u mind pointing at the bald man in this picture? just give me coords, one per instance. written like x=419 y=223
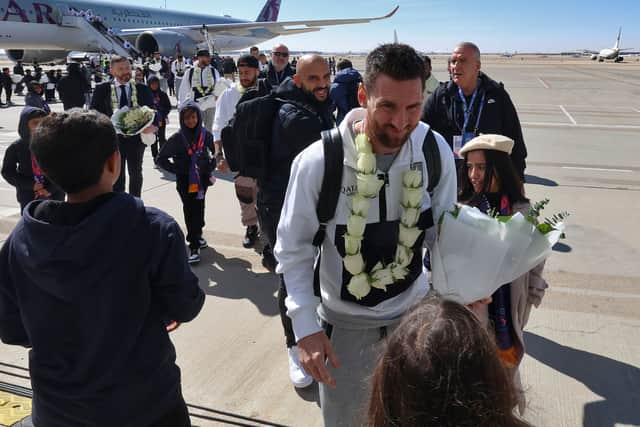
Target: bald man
x=278 y=69
x=302 y=116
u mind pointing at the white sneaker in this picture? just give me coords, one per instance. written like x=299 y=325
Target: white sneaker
x=297 y=374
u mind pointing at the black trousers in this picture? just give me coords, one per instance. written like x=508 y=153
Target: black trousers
x=131 y=154
x=193 y=210
x=176 y=417
x=161 y=138
x=7 y=91
x=269 y=216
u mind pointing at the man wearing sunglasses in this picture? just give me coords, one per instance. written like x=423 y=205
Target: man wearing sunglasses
x=278 y=68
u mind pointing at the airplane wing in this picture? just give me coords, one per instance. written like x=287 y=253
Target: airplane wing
x=276 y=27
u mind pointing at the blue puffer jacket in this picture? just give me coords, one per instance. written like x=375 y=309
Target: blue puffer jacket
x=344 y=91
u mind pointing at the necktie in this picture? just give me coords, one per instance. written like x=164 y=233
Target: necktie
x=124 y=102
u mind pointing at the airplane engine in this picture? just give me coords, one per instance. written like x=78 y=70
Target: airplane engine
x=168 y=43
x=594 y=57
x=40 y=56
x=619 y=59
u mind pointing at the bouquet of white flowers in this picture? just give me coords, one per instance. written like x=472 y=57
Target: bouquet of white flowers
x=132 y=121
x=476 y=253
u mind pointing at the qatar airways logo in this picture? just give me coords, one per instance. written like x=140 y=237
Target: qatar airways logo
x=43 y=13
x=271 y=11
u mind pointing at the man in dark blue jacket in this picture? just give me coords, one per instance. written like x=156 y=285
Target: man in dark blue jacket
x=93 y=286
x=304 y=113
x=344 y=89
x=107 y=98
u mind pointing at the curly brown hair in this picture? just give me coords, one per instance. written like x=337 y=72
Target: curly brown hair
x=440 y=368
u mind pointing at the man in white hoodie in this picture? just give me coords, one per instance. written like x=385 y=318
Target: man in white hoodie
x=248 y=70
x=363 y=295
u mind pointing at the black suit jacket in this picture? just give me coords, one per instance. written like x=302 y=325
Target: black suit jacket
x=101 y=100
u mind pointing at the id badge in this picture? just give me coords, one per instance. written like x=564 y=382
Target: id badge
x=457 y=146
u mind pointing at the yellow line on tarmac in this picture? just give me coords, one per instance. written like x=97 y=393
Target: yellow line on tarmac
x=13 y=408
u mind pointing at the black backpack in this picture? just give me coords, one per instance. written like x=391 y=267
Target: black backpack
x=331 y=182
x=246 y=137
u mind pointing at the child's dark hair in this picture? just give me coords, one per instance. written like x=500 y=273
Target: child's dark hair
x=72 y=147
x=498 y=164
x=441 y=368
x=398 y=61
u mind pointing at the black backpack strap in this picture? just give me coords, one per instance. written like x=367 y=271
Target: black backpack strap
x=331 y=181
x=431 y=153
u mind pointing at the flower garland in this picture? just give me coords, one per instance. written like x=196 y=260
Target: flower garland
x=369 y=186
x=209 y=81
x=115 y=104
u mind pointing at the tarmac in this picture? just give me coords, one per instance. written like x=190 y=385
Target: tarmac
x=581 y=123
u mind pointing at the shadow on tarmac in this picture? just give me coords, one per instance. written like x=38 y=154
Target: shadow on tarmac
x=562 y=247
x=229 y=417
x=309 y=394
x=233 y=278
x=618 y=383
x=538 y=180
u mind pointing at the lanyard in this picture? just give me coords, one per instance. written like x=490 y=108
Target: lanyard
x=468 y=108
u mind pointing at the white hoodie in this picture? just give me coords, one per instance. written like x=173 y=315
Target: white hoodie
x=299 y=223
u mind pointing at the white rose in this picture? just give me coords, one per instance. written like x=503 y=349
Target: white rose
x=377 y=267
x=352 y=244
x=366 y=163
x=412 y=179
x=398 y=272
x=410 y=217
x=359 y=286
x=403 y=255
x=360 y=205
x=354 y=264
x=408 y=235
x=412 y=197
x=356 y=225
x=380 y=279
x=369 y=185
x=362 y=144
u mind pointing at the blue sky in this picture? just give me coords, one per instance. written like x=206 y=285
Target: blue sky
x=437 y=25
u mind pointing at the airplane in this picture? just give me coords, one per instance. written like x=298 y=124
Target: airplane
x=47 y=30
x=612 y=53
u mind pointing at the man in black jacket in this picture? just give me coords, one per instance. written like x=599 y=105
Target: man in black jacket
x=471 y=104
x=109 y=97
x=278 y=69
x=73 y=87
x=304 y=113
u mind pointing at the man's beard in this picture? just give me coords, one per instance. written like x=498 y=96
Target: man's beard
x=252 y=83
x=383 y=138
x=312 y=93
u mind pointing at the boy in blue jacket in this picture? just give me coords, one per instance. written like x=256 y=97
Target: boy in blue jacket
x=90 y=285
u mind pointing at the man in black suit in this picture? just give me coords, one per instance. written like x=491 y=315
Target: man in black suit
x=104 y=101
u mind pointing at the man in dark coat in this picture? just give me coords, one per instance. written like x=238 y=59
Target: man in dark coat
x=103 y=100
x=278 y=69
x=73 y=88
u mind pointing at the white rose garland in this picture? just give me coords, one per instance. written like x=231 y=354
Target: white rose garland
x=369 y=186
x=115 y=104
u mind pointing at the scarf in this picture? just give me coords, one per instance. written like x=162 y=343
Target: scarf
x=194 y=150
x=38 y=176
x=500 y=307
x=160 y=117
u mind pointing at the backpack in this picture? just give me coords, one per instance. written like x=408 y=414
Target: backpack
x=246 y=137
x=331 y=183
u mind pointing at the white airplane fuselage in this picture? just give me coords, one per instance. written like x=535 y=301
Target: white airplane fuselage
x=33 y=24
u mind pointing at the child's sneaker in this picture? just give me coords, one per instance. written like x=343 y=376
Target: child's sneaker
x=203 y=243
x=194 y=256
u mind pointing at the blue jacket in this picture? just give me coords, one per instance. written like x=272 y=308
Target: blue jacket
x=90 y=294
x=344 y=92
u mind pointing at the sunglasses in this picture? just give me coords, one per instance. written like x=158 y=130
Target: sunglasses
x=282 y=54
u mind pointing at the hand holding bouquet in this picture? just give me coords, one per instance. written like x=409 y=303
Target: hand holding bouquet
x=476 y=253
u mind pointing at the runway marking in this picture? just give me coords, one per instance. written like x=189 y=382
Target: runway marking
x=544 y=83
x=597 y=169
x=595 y=293
x=566 y=113
x=580 y=126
